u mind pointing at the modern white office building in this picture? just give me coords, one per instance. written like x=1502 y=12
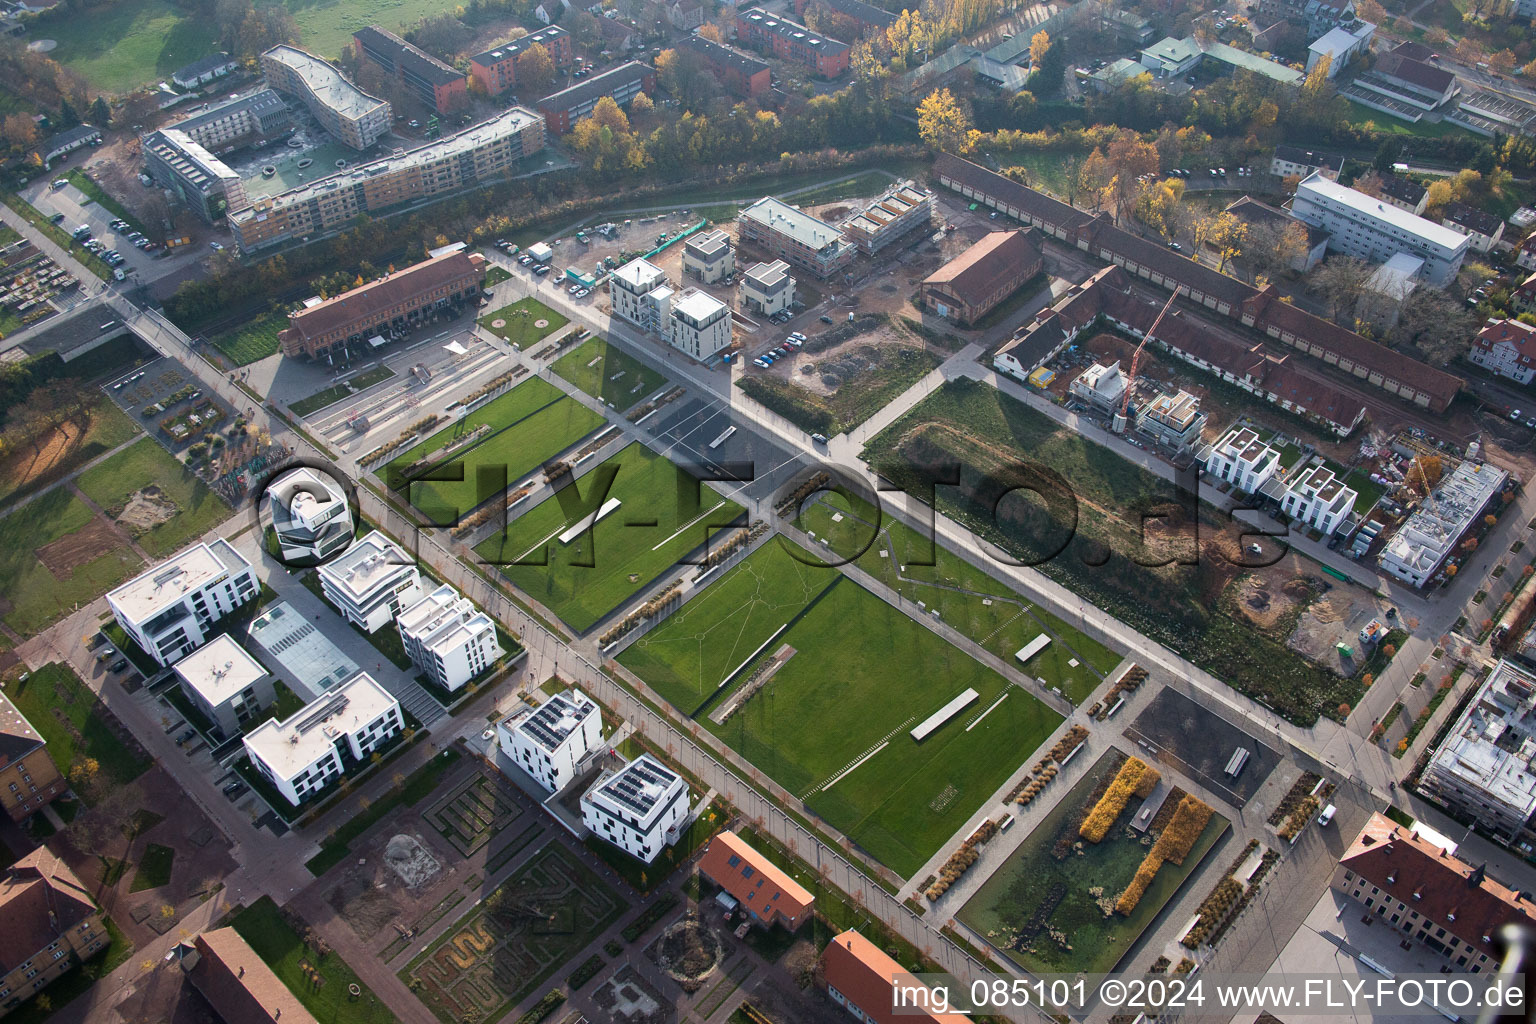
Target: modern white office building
x=555 y=742
x=372 y=582
x=448 y=638
x=767 y=289
x=1482 y=770
x=225 y=683
x=641 y=808
x=638 y=292
x=310 y=514
x=1316 y=497
x=1173 y=418
x=1374 y=230
x=699 y=325
x=1423 y=543
x=168 y=610
x=326 y=739
x=709 y=256
x=1242 y=459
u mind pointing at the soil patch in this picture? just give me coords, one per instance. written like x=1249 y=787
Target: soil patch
x=146 y=509
x=86 y=544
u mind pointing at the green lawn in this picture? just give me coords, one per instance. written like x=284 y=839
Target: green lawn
x=862 y=676
x=665 y=514
x=1368 y=493
x=885 y=372
x=612 y=376
x=965 y=597
x=520 y=318
x=254 y=339
x=199 y=509
x=33 y=595
x=337 y=392
x=127 y=45
x=72 y=722
x=1356 y=113
x=533 y=422
x=686 y=658
x=154 y=868
x=497 y=274
x=262 y=925
x=107 y=428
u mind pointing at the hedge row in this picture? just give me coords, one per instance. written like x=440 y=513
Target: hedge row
x=1106 y=812
x=1183 y=831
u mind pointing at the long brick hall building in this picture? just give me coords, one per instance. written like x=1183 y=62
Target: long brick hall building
x=382 y=310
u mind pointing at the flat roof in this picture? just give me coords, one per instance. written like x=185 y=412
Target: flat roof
x=637 y=791
x=262 y=100
x=640 y=275
x=1174 y=51
x=709 y=243
x=767 y=275
x=315 y=664
x=1383 y=211
x=698 y=305
x=219 y=669
x=510 y=49
x=327 y=83
x=366 y=564
x=291 y=746
x=552 y=723
x=176 y=577
x=787 y=220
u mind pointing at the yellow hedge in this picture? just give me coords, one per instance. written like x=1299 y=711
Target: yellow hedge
x=1107 y=811
x=1150 y=865
x=1184 y=829
x=1150 y=777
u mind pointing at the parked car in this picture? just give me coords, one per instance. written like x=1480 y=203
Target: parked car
x=186 y=736
x=824 y=318
x=819 y=438
x=60 y=182
x=797 y=336
x=216 y=246
x=118 y=665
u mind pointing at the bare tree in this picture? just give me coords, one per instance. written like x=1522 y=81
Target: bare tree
x=1341 y=280
x=1434 y=323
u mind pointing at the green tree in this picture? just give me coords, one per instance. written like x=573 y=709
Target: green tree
x=101 y=114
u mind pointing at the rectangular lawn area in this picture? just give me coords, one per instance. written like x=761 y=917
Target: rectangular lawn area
x=612 y=376
x=36 y=594
x=55 y=688
x=198 y=508
x=262 y=925
x=519 y=322
x=664 y=514
x=533 y=423
x=832 y=725
x=254 y=339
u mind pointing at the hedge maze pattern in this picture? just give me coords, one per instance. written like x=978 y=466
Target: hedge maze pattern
x=474 y=812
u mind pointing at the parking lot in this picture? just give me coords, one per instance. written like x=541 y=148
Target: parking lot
x=79 y=210
x=167 y=384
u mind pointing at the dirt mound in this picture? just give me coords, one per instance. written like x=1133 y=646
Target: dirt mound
x=146 y=509
x=90 y=542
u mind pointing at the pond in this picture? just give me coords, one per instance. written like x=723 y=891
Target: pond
x=1040 y=912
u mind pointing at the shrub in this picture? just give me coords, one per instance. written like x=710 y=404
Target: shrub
x=1184 y=830
x=1149 y=780
x=1107 y=811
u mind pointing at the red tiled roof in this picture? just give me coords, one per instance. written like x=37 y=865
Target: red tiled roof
x=1439 y=886
x=40 y=900
x=1520 y=335
x=753 y=879
x=975 y=275
x=863 y=973
x=1415 y=72
x=375 y=297
x=239 y=985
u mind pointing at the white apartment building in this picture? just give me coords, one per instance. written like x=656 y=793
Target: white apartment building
x=225 y=683
x=448 y=638
x=1101 y=387
x=638 y=292
x=372 y=582
x=1319 y=499
x=1482 y=770
x=318 y=745
x=1506 y=347
x=640 y=808
x=1423 y=543
x=351 y=115
x=310 y=514
x=709 y=256
x=767 y=289
x=1374 y=230
x=555 y=742
x=168 y=610
x=699 y=325
x=1243 y=460
x=1174 y=419
x=1293 y=160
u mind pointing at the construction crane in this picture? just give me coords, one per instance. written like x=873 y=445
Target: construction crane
x=1118 y=423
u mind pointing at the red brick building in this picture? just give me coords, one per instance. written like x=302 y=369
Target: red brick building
x=741 y=74
x=563 y=109
x=861 y=17
x=758 y=885
x=496 y=68
x=429 y=79
x=28 y=778
x=790 y=40
x=860 y=976
x=384 y=308
x=972 y=284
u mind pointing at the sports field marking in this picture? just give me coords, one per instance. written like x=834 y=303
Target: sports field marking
x=688 y=524
x=984 y=714
x=838 y=777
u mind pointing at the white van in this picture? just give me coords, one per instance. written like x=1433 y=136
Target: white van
x=1327 y=815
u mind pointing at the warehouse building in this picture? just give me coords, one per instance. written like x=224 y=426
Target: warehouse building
x=977 y=281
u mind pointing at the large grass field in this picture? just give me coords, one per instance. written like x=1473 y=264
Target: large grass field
x=665 y=513
x=262 y=925
x=1090 y=539
x=531 y=424
x=32 y=595
x=254 y=339
x=27 y=469
x=198 y=509
x=885 y=372
x=53 y=691
x=965 y=597
x=612 y=376
x=862 y=676
x=519 y=320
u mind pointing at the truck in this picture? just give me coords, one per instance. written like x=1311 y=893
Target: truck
x=541 y=252
x=83 y=231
